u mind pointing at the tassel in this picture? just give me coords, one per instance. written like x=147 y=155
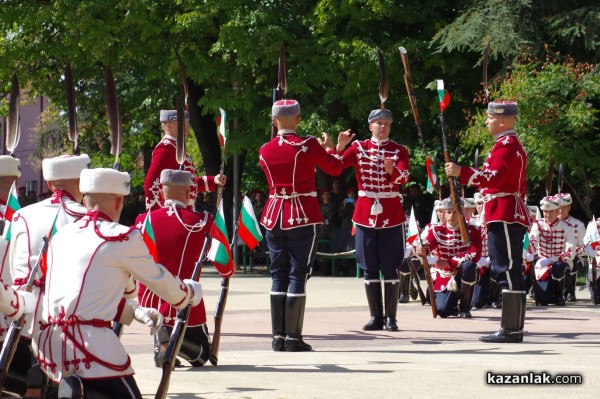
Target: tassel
x=452 y=286
x=376 y=208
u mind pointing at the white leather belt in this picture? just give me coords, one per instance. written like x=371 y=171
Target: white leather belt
x=384 y=194
x=294 y=195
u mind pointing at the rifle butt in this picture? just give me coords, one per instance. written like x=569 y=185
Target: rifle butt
x=163 y=386
x=221 y=303
x=427 y=270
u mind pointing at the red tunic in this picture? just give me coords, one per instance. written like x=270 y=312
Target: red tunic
x=164 y=157
x=502 y=181
x=375 y=185
x=289 y=163
x=179 y=235
x=448 y=245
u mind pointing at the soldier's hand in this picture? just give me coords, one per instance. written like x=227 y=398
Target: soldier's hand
x=29 y=301
x=421 y=251
x=196 y=291
x=325 y=141
x=150 y=317
x=388 y=165
x=344 y=138
x=220 y=180
x=452 y=169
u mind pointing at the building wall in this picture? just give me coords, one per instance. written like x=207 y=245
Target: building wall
x=31 y=173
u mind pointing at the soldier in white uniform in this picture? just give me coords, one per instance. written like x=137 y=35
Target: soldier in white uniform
x=89 y=265
x=554 y=242
x=579 y=230
x=31 y=224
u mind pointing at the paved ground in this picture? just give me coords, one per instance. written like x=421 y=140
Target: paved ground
x=426 y=358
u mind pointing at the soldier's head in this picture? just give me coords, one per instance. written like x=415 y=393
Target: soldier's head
x=564 y=206
x=63 y=172
x=478 y=198
x=105 y=190
x=380 y=123
x=501 y=116
x=168 y=122
x=439 y=211
x=468 y=207
x=450 y=214
x=176 y=185
x=10 y=171
x=549 y=206
x=286 y=114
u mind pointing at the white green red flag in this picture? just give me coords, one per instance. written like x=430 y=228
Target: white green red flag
x=443 y=95
x=413 y=228
x=431 y=175
x=219 y=253
x=249 y=229
x=592 y=236
x=59 y=220
x=222 y=120
x=148 y=236
x=12 y=205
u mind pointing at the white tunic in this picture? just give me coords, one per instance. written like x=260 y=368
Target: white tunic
x=87 y=275
x=552 y=242
x=30 y=224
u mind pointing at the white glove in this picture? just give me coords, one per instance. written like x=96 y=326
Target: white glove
x=529 y=257
x=431 y=259
x=484 y=261
x=408 y=251
x=29 y=301
x=150 y=317
x=541 y=263
x=590 y=251
x=196 y=288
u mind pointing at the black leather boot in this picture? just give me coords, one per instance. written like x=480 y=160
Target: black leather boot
x=294 y=321
x=412 y=289
x=570 y=281
x=392 y=290
x=375 y=300
x=466 y=299
x=558 y=287
x=404 y=287
x=278 y=321
x=513 y=319
x=495 y=295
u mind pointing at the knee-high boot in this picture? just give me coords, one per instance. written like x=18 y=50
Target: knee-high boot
x=466 y=299
x=392 y=290
x=294 y=321
x=375 y=300
x=278 y=321
x=495 y=295
x=570 y=282
x=558 y=287
x=513 y=319
x=404 y=288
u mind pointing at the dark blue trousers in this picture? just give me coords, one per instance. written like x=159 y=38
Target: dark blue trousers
x=545 y=290
x=292 y=253
x=380 y=251
x=447 y=301
x=505 y=245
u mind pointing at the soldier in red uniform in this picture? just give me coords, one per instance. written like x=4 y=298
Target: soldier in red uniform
x=163 y=157
x=381 y=166
x=179 y=234
x=502 y=182
x=291 y=215
x=455 y=268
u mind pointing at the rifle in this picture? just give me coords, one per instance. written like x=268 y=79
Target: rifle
x=219 y=311
x=73 y=130
x=593 y=284
x=485 y=62
x=178 y=333
x=116 y=137
x=415 y=274
x=464 y=232
x=281 y=89
x=413 y=105
x=14 y=331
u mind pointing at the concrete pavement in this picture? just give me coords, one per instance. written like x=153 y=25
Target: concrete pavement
x=426 y=358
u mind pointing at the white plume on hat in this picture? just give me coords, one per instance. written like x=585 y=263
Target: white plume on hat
x=64 y=167
x=10 y=166
x=104 y=181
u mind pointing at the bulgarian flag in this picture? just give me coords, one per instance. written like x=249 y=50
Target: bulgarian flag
x=12 y=205
x=249 y=229
x=591 y=234
x=59 y=220
x=413 y=228
x=219 y=253
x=431 y=175
x=443 y=95
x=222 y=120
x=148 y=236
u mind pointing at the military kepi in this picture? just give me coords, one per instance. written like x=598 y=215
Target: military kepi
x=64 y=167
x=10 y=166
x=503 y=108
x=380 y=114
x=285 y=108
x=173 y=177
x=168 y=115
x=104 y=181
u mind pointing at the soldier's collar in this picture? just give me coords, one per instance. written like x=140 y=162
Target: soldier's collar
x=285 y=131
x=168 y=136
x=379 y=142
x=173 y=203
x=504 y=133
